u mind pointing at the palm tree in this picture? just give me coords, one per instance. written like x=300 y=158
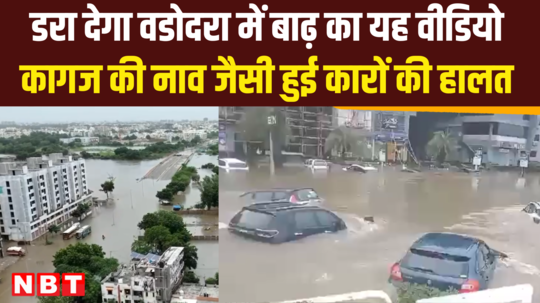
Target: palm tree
x=441 y=145
x=345 y=139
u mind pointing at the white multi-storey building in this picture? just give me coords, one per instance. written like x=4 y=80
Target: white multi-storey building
x=147 y=279
x=38 y=193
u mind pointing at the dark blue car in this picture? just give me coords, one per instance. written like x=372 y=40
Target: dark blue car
x=446 y=260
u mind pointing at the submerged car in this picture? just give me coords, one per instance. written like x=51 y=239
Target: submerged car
x=229 y=164
x=360 y=168
x=319 y=164
x=533 y=210
x=300 y=196
x=447 y=261
x=279 y=222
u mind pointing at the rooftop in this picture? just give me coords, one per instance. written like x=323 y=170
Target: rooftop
x=171 y=254
x=196 y=293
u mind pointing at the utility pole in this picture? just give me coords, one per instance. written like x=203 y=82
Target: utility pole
x=271 y=122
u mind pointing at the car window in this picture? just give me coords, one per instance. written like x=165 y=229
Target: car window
x=263 y=196
x=485 y=252
x=305 y=220
x=279 y=195
x=437 y=263
x=325 y=218
x=237 y=165
x=253 y=219
x=306 y=194
x=481 y=260
x=221 y=163
x=319 y=163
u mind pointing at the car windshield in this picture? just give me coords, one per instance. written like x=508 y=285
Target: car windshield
x=319 y=163
x=253 y=219
x=237 y=164
x=437 y=263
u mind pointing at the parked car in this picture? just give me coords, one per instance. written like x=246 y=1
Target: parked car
x=447 y=260
x=533 y=210
x=278 y=222
x=229 y=164
x=360 y=168
x=308 y=162
x=319 y=164
x=300 y=196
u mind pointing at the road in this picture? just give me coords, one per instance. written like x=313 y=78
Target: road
x=404 y=205
x=165 y=169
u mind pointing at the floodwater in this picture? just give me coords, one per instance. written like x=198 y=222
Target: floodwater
x=118 y=221
x=405 y=205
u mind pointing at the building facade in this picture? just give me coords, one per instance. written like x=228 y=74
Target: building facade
x=38 y=193
x=147 y=279
x=501 y=137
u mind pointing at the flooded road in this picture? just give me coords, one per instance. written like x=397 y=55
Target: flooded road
x=405 y=205
x=118 y=221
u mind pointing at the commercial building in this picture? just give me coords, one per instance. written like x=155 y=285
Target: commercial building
x=388 y=128
x=146 y=279
x=501 y=137
x=39 y=192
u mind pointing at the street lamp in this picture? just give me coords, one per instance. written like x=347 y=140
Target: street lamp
x=271 y=122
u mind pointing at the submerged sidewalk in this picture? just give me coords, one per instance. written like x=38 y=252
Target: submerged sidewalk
x=7 y=261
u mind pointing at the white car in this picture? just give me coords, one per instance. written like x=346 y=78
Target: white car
x=308 y=162
x=229 y=164
x=319 y=164
x=360 y=168
x=533 y=210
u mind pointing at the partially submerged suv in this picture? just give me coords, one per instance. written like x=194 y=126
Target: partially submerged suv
x=300 y=196
x=533 y=210
x=447 y=260
x=278 y=222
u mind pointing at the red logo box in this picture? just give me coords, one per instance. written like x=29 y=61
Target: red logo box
x=48 y=285
x=22 y=285
x=73 y=285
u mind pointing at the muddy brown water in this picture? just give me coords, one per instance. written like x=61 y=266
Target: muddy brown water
x=405 y=205
x=118 y=221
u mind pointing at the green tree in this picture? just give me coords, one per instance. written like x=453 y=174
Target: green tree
x=190 y=277
x=195 y=178
x=210 y=191
x=163 y=229
x=215 y=170
x=55 y=299
x=165 y=195
x=107 y=187
x=80 y=211
x=441 y=146
x=53 y=229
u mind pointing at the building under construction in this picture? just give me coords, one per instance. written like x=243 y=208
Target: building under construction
x=308 y=129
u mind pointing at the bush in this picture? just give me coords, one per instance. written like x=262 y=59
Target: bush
x=410 y=293
x=190 y=277
x=211 y=281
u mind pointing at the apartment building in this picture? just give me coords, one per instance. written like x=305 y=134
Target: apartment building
x=502 y=137
x=147 y=279
x=39 y=192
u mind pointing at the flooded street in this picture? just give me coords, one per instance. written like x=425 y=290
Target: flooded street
x=405 y=205
x=118 y=220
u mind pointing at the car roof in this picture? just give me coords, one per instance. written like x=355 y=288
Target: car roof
x=287 y=190
x=231 y=160
x=537 y=204
x=447 y=243
x=274 y=207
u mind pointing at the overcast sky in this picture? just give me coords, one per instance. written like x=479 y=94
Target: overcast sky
x=98 y=114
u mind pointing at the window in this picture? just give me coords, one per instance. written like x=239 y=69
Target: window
x=325 y=218
x=9 y=191
x=252 y=219
x=533 y=154
x=221 y=163
x=305 y=220
x=109 y=292
x=9 y=199
x=11 y=207
x=3 y=230
x=7 y=183
x=476 y=128
x=509 y=130
x=536 y=137
x=526 y=117
x=440 y=264
x=13 y=222
x=1 y=221
x=306 y=194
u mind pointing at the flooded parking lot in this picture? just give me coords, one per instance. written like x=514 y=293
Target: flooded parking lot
x=405 y=205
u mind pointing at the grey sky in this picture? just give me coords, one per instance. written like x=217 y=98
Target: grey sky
x=97 y=114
